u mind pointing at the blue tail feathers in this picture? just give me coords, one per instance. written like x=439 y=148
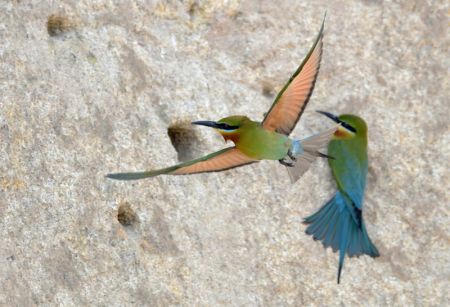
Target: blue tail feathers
x=335 y=225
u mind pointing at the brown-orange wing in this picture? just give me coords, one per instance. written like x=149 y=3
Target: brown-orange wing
x=218 y=161
x=228 y=158
x=292 y=99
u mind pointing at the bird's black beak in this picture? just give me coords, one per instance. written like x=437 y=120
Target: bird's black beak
x=337 y=120
x=329 y=115
x=207 y=123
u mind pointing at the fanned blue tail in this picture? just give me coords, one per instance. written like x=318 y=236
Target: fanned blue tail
x=340 y=225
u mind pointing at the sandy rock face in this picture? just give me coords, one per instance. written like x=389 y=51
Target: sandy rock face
x=87 y=89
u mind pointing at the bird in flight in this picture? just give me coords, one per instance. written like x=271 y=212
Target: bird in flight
x=266 y=140
x=339 y=223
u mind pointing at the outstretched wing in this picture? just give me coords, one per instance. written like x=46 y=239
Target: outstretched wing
x=220 y=160
x=292 y=99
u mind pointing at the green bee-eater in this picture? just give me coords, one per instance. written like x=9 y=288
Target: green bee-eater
x=268 y=139
x=339 y=223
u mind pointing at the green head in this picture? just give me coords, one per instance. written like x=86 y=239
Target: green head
x=351 y=125
x=229 y=127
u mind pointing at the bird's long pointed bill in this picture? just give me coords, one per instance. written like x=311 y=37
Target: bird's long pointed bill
x=206 y=123
x=329 y=115
x=336 y=119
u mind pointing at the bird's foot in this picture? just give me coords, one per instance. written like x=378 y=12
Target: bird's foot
x=291 y=155
x=285 y=163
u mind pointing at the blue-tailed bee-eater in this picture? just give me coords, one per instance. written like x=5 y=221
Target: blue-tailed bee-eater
x=269 y=139
x=339 y=223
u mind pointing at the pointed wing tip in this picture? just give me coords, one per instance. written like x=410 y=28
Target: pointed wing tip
x=113 y=176
x=126 y=176
x=322 y=27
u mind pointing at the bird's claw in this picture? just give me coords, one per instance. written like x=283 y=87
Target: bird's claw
x=290 y=155
x=285 y=163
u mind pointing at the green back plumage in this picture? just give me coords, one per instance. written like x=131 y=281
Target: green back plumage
x=259 y=143
x=255 y=141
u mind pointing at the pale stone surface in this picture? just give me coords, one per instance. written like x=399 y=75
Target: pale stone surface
x=101 y=96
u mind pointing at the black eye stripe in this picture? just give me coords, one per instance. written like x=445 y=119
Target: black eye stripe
x=347 y=126
x=224 y=126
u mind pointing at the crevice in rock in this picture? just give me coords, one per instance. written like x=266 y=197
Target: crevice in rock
x=126 y=215
x=58 y=25
x=184 y=139
x=268 y=90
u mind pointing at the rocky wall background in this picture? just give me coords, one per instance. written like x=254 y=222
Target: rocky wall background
x=111 y=86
